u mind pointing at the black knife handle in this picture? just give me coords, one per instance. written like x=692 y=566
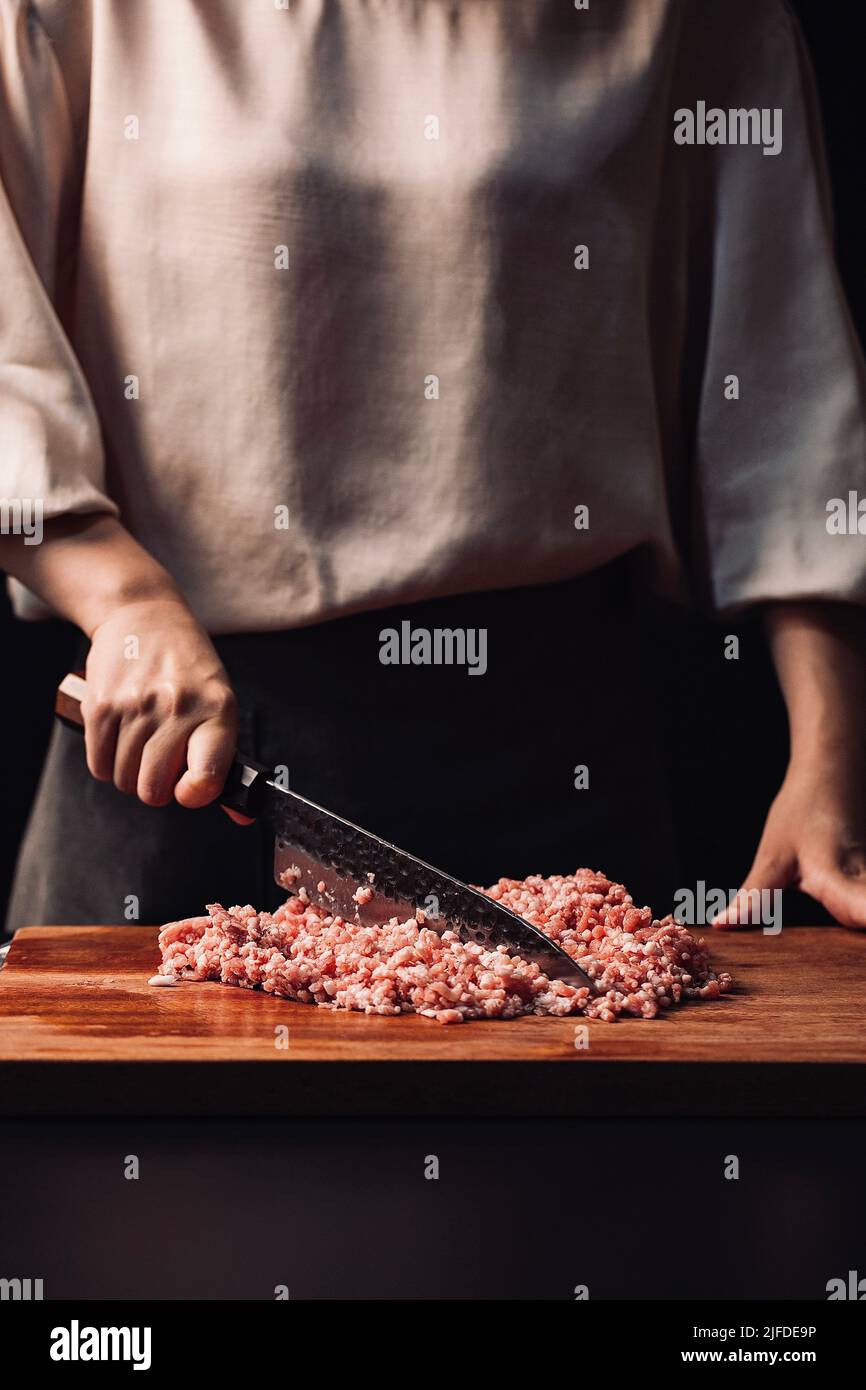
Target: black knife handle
x=245 y=784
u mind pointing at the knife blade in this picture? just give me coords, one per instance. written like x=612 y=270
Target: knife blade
x=332 y=859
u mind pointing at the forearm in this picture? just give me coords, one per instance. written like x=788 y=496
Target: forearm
x=163 y=724
x=815 y=833
x=86 y=567
x=819 y=653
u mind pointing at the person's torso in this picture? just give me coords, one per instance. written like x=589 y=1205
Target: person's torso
x=363 y=292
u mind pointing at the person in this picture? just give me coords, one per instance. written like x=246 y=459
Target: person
x=320 y=320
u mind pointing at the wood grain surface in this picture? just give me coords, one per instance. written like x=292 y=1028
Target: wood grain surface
x=82 y=1032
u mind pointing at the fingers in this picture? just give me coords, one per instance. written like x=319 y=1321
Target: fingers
x=237 y=817
x=208 y=758
x=840 y=889
x=162 y=762
x=770 y=870
x=132 y=735
x=101 y=726
x=842 y=893
x=745 y=908
x=146 y=759
x=159 y=706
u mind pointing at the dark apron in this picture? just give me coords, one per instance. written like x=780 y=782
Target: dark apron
x=473 y=773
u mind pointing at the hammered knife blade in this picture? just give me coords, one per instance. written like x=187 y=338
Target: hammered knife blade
x=332 y=858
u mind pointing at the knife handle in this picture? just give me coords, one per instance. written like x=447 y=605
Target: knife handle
x=245 y=786
x=247 y=779
x=67 y=701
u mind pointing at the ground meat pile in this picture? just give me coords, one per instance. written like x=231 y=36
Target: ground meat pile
x=639 y=965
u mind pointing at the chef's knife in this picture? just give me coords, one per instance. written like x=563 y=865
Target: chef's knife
x=332 y=859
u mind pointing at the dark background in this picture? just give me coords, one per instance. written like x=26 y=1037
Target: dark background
x=522 y=1209
x=723 y=721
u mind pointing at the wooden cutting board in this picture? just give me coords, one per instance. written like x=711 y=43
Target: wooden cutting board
x=82 y=1032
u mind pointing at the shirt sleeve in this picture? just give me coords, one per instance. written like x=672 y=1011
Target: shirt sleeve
x=50 y=441
x=772 y=463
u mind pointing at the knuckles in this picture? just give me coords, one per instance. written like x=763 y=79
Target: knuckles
x=163 y=702
x=98 y=710
x=138 y=710
x=222 y=703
